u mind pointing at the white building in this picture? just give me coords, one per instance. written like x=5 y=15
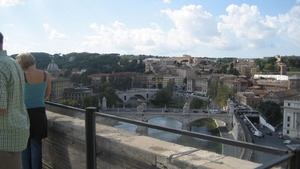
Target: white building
x=291 y=118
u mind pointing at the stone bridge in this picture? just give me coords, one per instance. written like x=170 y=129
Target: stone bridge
x=144 y=94
x=186 y=118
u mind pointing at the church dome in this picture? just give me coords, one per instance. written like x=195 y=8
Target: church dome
x=52 y=66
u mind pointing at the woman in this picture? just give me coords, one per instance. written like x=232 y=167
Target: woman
x=37 y=90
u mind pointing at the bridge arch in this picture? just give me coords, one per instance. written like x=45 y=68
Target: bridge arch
x=146 y=94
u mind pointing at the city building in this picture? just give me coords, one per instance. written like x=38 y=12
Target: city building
x=96 y=78
x=140 y=81
x=291 y=118
x=294 y=82
x=279 y=96
x=76 y=93
x=178 y=80
x=197 y=84
x=247 y=98
x=58 y=84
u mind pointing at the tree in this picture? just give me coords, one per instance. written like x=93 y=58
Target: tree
x=170 y=85
x=127 y=83
x=122 y=82
x=213 y=89
x=222 y=95
x=196 y=103
x=111 y=79
x=260 y=63
x=75 y=78
x=163 y=96
x=72 y=103
x=67 y=74
x=271 y=111
x=269 y=67
x=124 y=61
x=103 y=79
x=88 y=101
x=85 y=80
x=108 y=91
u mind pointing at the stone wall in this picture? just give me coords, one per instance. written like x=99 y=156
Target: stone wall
x=118 y=149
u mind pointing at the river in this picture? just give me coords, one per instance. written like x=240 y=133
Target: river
x=175 y=138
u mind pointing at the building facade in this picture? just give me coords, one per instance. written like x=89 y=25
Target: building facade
x=76 y=94
x=247 y=98
x=291 y=118
x=58 y=84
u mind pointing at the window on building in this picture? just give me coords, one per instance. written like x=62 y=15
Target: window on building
x=288 y=125
x=288 y=132
x=288 y=118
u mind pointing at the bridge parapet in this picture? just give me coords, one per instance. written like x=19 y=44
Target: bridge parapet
x=185 y=118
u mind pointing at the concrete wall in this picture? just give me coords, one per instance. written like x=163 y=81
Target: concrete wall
x=65 y=149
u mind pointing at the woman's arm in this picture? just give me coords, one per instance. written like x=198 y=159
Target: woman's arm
x=48 y=89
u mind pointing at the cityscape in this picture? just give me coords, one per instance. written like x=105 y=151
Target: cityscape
x=163 y=83
x=193 y=78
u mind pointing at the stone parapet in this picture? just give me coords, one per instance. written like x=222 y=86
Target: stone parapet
x=116 y=148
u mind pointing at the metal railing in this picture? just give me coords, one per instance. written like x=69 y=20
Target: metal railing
x=291 y=156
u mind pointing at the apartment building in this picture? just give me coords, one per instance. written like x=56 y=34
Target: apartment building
x=198 y=84
x=178 y=80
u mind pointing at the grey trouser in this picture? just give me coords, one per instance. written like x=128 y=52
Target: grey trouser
x=10 y=160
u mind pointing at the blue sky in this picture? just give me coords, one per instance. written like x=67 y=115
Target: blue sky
x=200 y=28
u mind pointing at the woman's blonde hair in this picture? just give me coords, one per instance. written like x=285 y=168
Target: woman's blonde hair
x=25 y=60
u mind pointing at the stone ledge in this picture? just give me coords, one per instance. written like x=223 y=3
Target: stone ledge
x=119 y=148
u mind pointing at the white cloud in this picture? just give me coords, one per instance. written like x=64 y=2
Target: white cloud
x=243 y=28
x=46 y=26
x=167 y=1
x=54 y=34
x=120 y=37
x=297 y=1
x=193 y=20
x=290 y=25
x=11 y=2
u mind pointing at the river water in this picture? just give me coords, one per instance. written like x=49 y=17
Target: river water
x=175 y=138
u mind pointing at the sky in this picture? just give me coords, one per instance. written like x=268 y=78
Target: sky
x=200 y=28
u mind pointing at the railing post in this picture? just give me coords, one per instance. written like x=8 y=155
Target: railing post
x=90 y=138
